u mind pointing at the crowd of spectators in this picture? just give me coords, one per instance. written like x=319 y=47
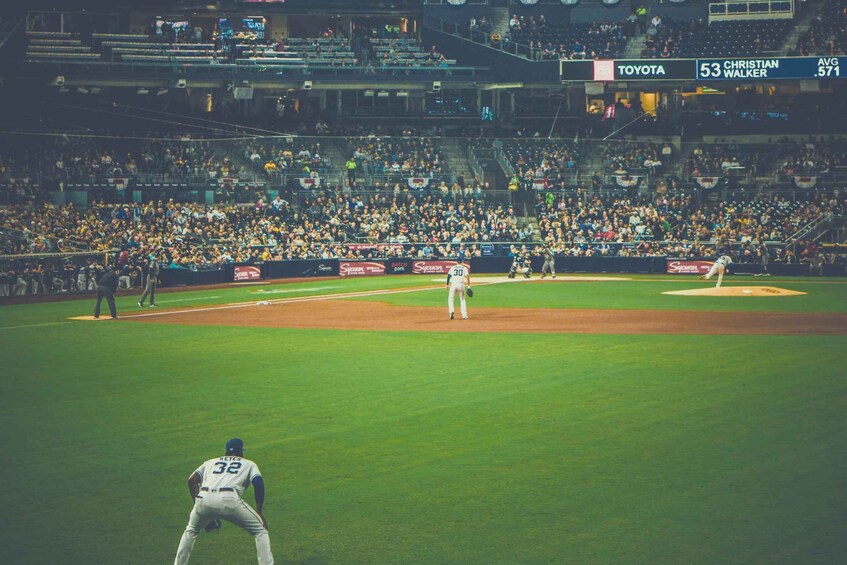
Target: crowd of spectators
x=401 y=223
x=116 y=161
x=674 y=226
x=665 y=38
x=725 y=159
x=630 y=156
x=827 y=34
x=550 y=161
x=813 y=158
x=200 y=237
x=272 y=157
x=554 y=40
x=406 y=156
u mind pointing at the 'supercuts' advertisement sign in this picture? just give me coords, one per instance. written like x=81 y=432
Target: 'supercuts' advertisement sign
x=431 y=267
x=247 y=273
x=360 y=268
x=680 y=267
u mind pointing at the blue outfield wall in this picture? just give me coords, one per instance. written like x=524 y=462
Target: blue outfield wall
x=479 y=265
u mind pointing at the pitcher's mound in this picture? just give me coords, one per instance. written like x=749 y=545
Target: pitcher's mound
x=92 y=318
x=737 y=291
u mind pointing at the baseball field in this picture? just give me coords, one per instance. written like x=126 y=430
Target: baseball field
x=568 y=421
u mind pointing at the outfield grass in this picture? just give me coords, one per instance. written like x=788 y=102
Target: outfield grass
x=413 y=447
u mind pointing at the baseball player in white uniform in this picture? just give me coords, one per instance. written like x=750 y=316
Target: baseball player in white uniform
x=718 y=267
x=458 y=279
x=216 y=487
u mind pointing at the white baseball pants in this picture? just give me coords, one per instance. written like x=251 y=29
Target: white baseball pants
x=228 y=506
x=463 y=305
x=719 y=269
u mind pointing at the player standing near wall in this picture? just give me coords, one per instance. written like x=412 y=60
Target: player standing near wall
x=458 y=280
x=549 y=262
x=152 y=282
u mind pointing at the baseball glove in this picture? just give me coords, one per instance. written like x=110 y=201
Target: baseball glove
x=213 y=525
x=470 y=293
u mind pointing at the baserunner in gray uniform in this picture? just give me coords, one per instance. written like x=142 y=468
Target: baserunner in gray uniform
x=549 y=262
x=152 y=281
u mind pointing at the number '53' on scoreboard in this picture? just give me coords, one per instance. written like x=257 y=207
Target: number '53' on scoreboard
x=763 y=68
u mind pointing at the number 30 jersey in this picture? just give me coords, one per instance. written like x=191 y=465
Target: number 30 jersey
x=457 y=275
x=228 y=471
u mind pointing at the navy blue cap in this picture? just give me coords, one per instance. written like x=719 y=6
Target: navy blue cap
x=460 y=257
x=235 y=445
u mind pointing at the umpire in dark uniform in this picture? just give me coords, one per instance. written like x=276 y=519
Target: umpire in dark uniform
x=107 y=286
x=152 y=281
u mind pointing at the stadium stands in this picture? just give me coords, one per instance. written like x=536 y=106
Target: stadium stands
x=811 y=157
x=827 y=34
x=692 y=39
x=400 y=156
x=540 y=162
x=726 y=159
x=553 y=40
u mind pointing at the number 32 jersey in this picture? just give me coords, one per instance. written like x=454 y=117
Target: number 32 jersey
x=228 y=471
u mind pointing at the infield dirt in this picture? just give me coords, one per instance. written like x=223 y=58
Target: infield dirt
x=343 y=314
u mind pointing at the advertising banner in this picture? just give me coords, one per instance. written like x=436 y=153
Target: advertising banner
x=431 y=267
x=360 y=268
x=247 y=273
x=302 y=268
x=398 y=266
x=686 y=267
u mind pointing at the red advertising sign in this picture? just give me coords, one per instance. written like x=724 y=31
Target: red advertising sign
x=432 y=267
x=247 y=273
x=681 y=267
x=360 y=268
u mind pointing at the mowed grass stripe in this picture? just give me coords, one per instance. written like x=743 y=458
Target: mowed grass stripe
x=429 y=448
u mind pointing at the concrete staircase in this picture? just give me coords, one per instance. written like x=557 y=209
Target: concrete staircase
x=592 y=163
x=813 y=7
x=634 y=46
x=336 y=150
x=500 y=20
x=456 y=153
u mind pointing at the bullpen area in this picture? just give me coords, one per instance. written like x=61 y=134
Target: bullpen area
x=631 y=419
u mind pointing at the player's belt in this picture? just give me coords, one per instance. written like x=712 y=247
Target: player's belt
x=224 y=489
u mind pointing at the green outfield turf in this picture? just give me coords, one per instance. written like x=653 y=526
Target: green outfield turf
x=416 y=447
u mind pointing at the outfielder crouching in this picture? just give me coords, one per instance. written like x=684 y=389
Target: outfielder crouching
x=216 y=488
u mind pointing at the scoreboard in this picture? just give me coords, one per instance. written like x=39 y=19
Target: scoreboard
x=771 y=68
x=763 y=68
